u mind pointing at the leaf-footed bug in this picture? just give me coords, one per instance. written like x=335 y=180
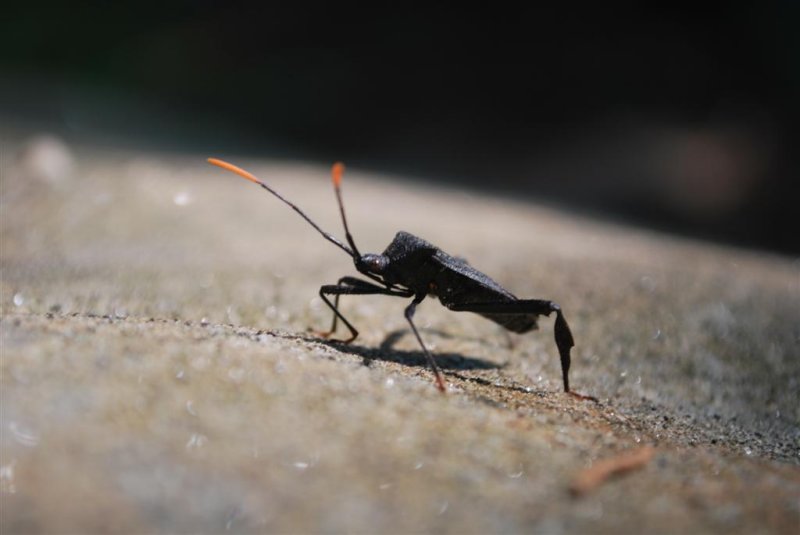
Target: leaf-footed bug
x=412 y=267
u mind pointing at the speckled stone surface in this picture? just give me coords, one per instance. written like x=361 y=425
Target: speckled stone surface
x=160 y=371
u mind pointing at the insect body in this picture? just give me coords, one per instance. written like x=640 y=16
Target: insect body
x=410 y=267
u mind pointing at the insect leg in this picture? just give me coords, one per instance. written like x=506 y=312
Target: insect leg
x=410 y=309
x=563 y=335
x=352 y=286
x=344 y=281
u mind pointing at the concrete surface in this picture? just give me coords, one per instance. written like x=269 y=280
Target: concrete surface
x=159 y=374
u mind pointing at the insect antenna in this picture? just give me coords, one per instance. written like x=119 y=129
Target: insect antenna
x=336 y=173
x=248 y=176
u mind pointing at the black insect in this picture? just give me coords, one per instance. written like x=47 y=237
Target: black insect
x=410 y=267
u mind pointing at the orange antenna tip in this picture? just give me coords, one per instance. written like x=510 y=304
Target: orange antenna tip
x=337 y=171
x=233 y=169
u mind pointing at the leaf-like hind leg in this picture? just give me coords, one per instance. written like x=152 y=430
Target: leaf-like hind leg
x=563 y=335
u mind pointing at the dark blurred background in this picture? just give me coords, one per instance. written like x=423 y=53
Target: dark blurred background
x=682 y=119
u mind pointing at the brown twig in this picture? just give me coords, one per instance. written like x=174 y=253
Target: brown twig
x=601 y=471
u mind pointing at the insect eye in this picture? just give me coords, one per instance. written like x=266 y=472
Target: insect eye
x=374 y=263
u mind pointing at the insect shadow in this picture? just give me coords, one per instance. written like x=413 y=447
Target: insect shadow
x=386 y=352
x=452 y=364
